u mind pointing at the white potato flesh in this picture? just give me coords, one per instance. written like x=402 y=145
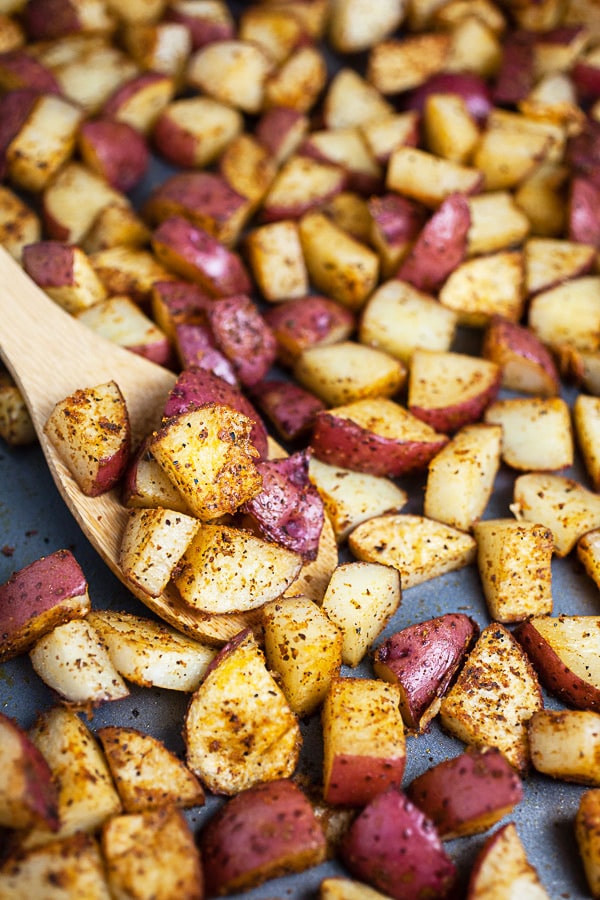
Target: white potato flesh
x=427 y=178
x=343 y=372
x=550 y=261
x=277 y=262
x=304 y=646
x=228 y=570
x=502 y=870
x=73 y=661
x=586 y=420
x=153 y=542
x=44 y=871
x=450 y=130
x=233 y=72
x=209 y=124
x=73 y=200
x=486 y=286
x=360 y=598
x=536 y=432
x=351 y=100
x=354 y=25
x=146 y=774
x=298 y=82
x=120 y=320
x=442 y=380
x=86 y=792
x=345 y=147
x=514 y=562
x=150 y=653
x=420 y=548
x=345 y=889
x=461 y=476
x=352 y=497
x=563 y=504
x=398 y=319
x=568 y=314
x=588 y=553
x=302 y=182
x=235 y=737
x=19 y=225
x=82 y=288
x=565 y=744
x=399 y=65
x=496 y=223
x=494 y=697
x=572 y=645
x=587 y=834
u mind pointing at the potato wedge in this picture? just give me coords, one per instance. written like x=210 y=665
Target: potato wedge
x=151 y=654
x=461 y=476
x=502 y=869
x=237 y=738
x=74 y=662
x=429 y=179
x=304 y=647
x=153 y=542
x=484 y=286
x=525 y=362
x=360 y=598
x=91 y=433
x=28 y=795
x=346 y=371
x=44 y=871
x=564 y=744
x=586 y=421
x=364 y=750
x=536 y=432
x=146 y=774
x=420 y=548
x=65 y=273
x=493 y=698
x=587 y=822
x=514 y=561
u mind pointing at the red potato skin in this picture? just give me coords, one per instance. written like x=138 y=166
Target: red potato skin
x=289 y=408
x=129 y=89
x=584 y=212
x=341 y=442
x=504 y=340
x=275 y=125
x=583 y=152
x=361 y=182
x=15 y=108
x=20 y=70
x=586 y=78
x=37 y=805
x=196 y=386
x=203 y=198
x=467 y=794
x=552 y=672
x=202 y=30
x=288 y=509
x=394 y=848
x=116 y=151
x=243 y=335
x=450 y=418
x=516 y=77
x=355 y=780
x=264 y=832
x=398 y=219
x=305 y=322
x=195 y=254
x=279 y=210
x=32 y=601
x=471 y=87
x=49 y=19
x=49 y=263
x=440 y=247
x=195 y=348
x=424 y=658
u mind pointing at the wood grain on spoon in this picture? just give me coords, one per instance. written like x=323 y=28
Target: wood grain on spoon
x=50 y=354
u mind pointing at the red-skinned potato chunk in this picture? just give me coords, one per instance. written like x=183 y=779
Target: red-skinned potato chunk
x=195 y=387
x=28 y=795
x=502 y=870
x=308 y=321
x=19 y=224
x=236 y=738
x=376 y=436
x=304 y=647
x=146 y=774
x=232 y=71
x=47 y=20
x=90 y=431
x=120 y=320
x=288 y=509
x=139 y=101
x=448 y=390
x=494 y=696
x=195 y=348
x=393 y=847
x=347 y=371
x=266 y=831
x=147 y=486
x=586 y=420
x=565 y=652
x=241 y=333
x=485 y=286
x=345 y=889
x=196 y=255
x=422 y=660
x=587 y=834
x=467 y=794
x=395 y=223
x=43 y=871
x=153 y=542
x=440 y=246
x=364 y=750
x=16 y=425
x=207 y=22
x=525 y=363
x=290 y=409
x=115 y=150
x=65 y=273
x=37 y=598
x=420 y=548
x=152 y=853
x=536 y=432
x=86 y=793
x=19 y=69
x=207 y=454
x=194 y=131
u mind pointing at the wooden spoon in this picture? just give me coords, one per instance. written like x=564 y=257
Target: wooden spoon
x=50 y=354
